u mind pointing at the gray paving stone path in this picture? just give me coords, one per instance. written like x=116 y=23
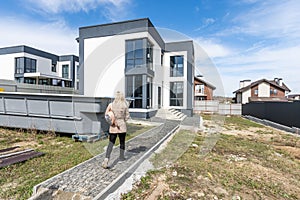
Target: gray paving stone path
x=90 y=181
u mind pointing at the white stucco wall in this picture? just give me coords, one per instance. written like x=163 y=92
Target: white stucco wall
x=263 y=90
x=245 y=96
x=7 y=65
x=104 y=65
x=239 y=98
x=168 y=79
x=59 y=68
x=43 y=65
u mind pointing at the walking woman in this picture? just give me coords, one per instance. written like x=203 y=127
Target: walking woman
x=118 y=128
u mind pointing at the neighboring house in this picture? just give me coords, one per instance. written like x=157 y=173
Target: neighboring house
x=203 y=89
x=132 y=57
x=32 y=66
x=293 y=96
x=261 y=90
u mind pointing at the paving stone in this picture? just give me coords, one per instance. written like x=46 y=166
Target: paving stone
x=90 y=179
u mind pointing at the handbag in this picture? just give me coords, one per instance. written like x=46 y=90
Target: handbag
x=110 y=117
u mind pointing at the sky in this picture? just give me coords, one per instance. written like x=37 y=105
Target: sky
x=245 y=39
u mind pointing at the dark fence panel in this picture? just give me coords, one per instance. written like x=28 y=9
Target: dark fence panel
x=285 y=113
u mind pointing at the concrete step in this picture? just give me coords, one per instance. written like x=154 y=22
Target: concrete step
x=171 y=114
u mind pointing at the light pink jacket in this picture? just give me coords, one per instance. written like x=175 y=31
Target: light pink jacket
x=121 y=116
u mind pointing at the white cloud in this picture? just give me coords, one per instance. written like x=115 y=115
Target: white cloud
x=112 y=9
x=267 y=62
x=270 y=19
x=54 y=37
x=276 y=27
x=213 y=48
x=205 y=23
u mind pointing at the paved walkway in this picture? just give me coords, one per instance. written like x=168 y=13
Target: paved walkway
x=89 y=180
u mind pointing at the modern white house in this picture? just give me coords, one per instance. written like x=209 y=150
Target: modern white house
x=25 y=64
x=132 y=57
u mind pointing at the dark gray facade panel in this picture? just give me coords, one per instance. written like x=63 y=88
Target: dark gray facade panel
x=119 y=28
x=154 y=33
x=139 y=71
x=69 y=58
x=143 y=115
x=113 y=29
x=40 y=53
x=190 y=85
x=181 y=46
x=187 y=112
x=81 y=67
x=30 y=50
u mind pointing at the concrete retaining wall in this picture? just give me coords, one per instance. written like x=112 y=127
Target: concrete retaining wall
x=49 y=112
x=13 y=86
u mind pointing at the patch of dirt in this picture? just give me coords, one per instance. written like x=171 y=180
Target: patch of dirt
x=293 y=151
x=7 y=186
x=26 y=144
x=248 y=177
x=159 y=186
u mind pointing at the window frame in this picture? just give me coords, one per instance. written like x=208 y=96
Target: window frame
x=25 y=65
x=65 y=74
x=174 y=66
x=178 y=99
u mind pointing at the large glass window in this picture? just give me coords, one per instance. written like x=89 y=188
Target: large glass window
x=25 y=65
x=20 y=63
x=139 y=53
x=134 y=90
x=176 y=66
x=176 y=93
x=134 y=54
x=65 y=71
x=30 y=80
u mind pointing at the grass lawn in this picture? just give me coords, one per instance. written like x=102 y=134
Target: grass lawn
x=61 y=153
x=249 y=161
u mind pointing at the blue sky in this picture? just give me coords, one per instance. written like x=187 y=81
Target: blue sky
x=245 y=39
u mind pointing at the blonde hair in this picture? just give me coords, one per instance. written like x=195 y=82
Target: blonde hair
x=120 y=98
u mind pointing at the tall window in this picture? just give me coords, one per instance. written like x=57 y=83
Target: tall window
x=134 y=90
x=176 y=66
x=134 y=54
x=25 y=65
x=53 y=67
x=199 y=89
x=65 y=71
x=176 y=93
x=139 y=53
x=149 y=56
x=149 y=92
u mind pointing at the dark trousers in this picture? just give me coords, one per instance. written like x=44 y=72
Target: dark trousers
x=112 y=140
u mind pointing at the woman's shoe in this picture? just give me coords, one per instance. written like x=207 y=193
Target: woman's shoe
x=105 y=163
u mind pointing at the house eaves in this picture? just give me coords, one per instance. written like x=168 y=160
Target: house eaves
x=273 y=83
x=206 y=83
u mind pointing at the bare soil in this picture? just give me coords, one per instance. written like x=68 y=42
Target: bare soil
x=248 y=162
